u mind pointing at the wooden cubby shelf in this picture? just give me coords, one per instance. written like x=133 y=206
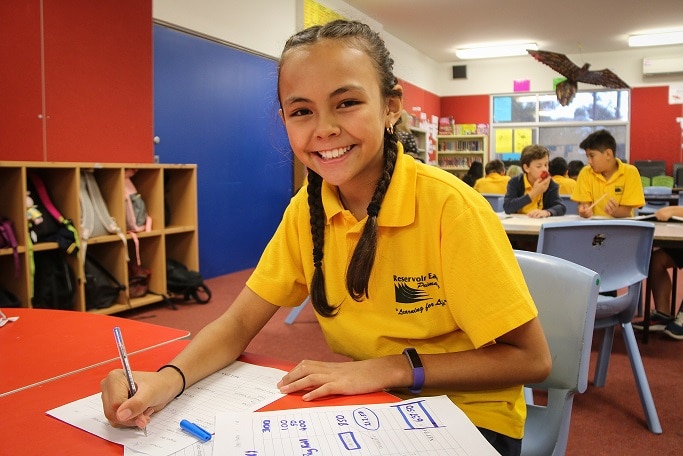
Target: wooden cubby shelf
x=169 y=192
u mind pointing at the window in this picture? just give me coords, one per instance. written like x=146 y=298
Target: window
x=522 y=119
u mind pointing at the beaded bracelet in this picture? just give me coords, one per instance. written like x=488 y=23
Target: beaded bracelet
x=177 y=369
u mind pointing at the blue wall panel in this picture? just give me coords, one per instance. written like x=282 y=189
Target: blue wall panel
x=216 y=106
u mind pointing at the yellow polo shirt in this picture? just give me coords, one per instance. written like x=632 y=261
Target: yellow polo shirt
x=492 y=183
x=624 y=186
x=445 y=279
x=536 y=203
x=567 y=184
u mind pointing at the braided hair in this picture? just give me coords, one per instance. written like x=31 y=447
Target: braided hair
x=364 y=38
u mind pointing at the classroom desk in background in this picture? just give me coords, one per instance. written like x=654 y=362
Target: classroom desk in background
x=44 y=344
x=523 y=228
x=30 y=431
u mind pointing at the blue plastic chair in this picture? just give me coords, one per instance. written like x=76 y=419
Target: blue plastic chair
x=618 y=250
x=294 y=313
x=566 y=295
x=652 y=206
x=496 y=200
x=572 y=206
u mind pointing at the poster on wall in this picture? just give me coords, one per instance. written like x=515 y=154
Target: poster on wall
x=676 y=94
x=317 y=14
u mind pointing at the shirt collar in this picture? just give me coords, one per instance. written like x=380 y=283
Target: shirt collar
x=398 y=207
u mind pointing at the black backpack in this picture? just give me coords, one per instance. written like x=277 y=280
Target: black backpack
x=185 y=284
x=54 y=284
x=102 y=289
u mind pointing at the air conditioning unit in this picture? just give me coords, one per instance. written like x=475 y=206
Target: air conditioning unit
x=662 y=65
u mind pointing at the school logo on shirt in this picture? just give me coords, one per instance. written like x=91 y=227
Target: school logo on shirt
x=413 y=291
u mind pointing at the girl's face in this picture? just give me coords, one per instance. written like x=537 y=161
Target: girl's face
x=535 y=169
x=334 y=112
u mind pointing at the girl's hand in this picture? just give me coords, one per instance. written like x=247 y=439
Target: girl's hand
x=322 y=379
x=122 y=411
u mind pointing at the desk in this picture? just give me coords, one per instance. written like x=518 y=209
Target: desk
x=522 y=227
x=44 y=344
x=27 y=408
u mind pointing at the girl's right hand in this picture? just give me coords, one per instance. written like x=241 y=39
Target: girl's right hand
x=151 y=396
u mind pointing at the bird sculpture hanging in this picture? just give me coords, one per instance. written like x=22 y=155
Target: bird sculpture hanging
x=566 y=90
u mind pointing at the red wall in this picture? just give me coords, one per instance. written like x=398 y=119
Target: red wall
x=467 y=108
x=414 y=96
x=655 y=134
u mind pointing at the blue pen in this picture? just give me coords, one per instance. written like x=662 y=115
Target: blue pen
x=201 y=434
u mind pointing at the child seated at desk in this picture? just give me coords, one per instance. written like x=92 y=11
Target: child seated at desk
x=560 y=173
x=495 y=180
x=534 y=192
x=607 y=187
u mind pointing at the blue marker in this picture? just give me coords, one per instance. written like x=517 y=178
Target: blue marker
x=201 y=434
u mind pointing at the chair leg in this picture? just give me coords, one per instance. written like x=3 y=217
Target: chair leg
x=642 y=384
x=291 y=317
x=604 y=354
x=674 y=283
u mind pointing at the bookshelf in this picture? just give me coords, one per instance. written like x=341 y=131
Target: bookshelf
x=455 y=153
x=169 y=191
x=422 y=141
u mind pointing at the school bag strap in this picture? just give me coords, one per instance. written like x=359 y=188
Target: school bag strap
x=9 y=240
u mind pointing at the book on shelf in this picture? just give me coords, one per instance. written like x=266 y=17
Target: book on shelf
x=446 y=125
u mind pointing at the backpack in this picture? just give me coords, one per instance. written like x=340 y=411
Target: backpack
x=54 y=284
x=95 y=217
x=9 y=241
x=102 y=289
x=45 y=222
x=137 y=218
x=183 y=283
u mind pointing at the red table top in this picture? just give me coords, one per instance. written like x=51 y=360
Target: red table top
x=43 y=344
x=30 y=431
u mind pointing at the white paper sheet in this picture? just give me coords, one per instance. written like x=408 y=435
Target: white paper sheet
x=239 y=387
x=430 y=426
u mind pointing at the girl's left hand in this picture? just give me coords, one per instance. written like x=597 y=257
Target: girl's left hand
x=322 y=379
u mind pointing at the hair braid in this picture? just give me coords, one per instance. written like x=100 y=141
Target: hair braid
x=363 y=258
x=317 y=214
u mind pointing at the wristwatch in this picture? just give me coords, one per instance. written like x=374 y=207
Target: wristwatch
x=418 y=370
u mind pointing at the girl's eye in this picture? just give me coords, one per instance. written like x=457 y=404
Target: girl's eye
x=299 y=112
x=348 y=103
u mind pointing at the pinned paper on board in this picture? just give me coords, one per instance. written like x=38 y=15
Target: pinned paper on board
x=503 y=140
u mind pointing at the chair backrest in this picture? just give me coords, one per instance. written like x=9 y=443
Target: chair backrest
x=646 y=181
x=663 y=181
x=496 y=200
x=618 y=250
x=678 y=174
x=565 y=295
x=572 y=206
x=650 y=168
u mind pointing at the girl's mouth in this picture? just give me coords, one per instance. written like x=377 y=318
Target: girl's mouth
x=334 y=153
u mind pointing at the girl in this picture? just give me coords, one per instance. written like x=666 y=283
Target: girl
x=396 y=256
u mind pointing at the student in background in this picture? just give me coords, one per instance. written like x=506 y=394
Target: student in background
x=495 y=180
x=660 y=280
x=475 y=172
x=347 y=240
x=534 y=192
x=406 y=136
x=514 y=170
x=557 y=167
x=574 y=167
x=607 y=187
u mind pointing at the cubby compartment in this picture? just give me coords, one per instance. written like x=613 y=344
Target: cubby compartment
x=180 y=247
x=180 y=198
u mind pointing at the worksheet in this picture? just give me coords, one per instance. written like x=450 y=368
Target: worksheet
x=429 y=426
x=238 y=387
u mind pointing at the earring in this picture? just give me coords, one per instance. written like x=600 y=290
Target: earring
x=390 y=129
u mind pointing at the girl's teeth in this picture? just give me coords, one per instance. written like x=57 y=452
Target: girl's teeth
x=334 y=153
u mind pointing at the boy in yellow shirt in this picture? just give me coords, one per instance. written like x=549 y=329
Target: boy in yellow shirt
x=608 y=187
x=495 y=180
x=557 y=167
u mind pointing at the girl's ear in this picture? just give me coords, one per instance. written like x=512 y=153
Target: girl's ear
x=394 y=106
x=282 y=115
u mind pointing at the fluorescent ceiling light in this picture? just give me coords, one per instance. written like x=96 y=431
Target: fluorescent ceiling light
x=656 y=39
x=504 y=50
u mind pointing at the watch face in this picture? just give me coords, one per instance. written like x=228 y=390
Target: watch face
x=414 y=358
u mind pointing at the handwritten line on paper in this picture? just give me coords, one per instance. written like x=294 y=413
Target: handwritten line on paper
x=238 y=387
x=423 y=426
